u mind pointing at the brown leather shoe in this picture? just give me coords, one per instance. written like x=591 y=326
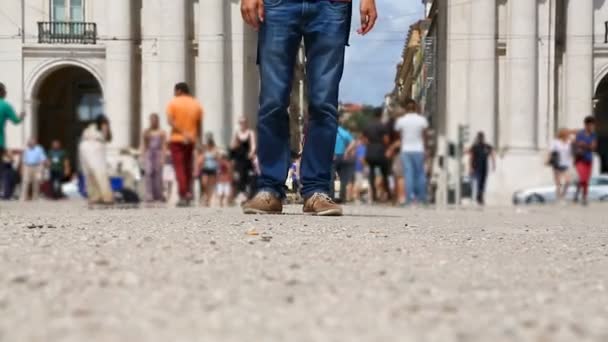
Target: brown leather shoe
x=322 y=205
x=263 y=203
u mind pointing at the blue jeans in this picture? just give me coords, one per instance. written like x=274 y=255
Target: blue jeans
x=324 y=25
x=415 y=176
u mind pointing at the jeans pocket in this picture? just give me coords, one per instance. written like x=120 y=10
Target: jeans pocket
x=340 y=7
x=272 y=3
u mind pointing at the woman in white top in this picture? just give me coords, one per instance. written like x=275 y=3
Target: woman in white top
x=560 y=159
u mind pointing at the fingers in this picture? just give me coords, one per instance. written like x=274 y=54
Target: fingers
x=371 y=22
x=249 y=12
x=368 y=21
x=253 y=12
x=261 y=11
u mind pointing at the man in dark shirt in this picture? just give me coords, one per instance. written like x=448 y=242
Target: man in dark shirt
x=480 y=154
x=377 y=137
x=59 y=166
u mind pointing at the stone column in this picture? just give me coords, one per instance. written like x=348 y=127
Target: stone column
x=164 y=54
x=579 y=62
x=211 y=69
x=482 y=82
x=523 y=83
x=119 y=62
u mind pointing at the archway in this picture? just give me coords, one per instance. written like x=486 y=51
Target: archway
x=68 y=99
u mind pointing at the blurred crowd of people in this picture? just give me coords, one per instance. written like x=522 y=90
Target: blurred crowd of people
x=170 y=163
x=384 y=161
x=381 y=162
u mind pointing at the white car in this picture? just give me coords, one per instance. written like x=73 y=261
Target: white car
x=598 y=191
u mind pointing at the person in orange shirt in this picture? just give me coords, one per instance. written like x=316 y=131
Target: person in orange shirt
x=185 y=117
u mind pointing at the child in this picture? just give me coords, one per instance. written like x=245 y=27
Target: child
x=224 y=180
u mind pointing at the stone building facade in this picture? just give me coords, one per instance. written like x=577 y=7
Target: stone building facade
x=518 y=70
x=66 y=61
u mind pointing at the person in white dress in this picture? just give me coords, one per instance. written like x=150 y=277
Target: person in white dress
x=560 y=160
x=92 y=151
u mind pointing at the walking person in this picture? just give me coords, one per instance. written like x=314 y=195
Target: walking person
x=377 y=138
x=207 y=166
x=324 y=26
x=585 y=144
x=92 y=152
x=154 y=142
x=59 y=168
x=33 y=162
x=413 y=129
x=481 y=153
x=344 y=162
x=243 y=148
x=560 y=160
x=185 y=117
x=7 y=113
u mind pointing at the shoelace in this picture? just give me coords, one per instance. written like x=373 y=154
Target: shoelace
x=322 y=196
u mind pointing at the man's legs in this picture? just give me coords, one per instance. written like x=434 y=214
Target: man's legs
x=408 y=170
x=345 y=175
x=2 y=170
x=36 y=175
x=56 y=178
x=371 y=177
x=385 y=168
x=178 y=156
x=583 y=169
x=279 y=40
x=325 y=34
x=188 y=151
x=420 y=176
x=26 y=181
x=480 y=177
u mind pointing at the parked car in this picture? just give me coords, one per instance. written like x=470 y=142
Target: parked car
x=598 y=191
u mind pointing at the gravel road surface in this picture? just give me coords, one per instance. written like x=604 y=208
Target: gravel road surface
x=378 y=274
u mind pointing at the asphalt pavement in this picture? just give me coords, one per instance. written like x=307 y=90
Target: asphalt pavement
x=378 y=274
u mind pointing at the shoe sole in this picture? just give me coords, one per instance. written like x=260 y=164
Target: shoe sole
x=251 y=211
x=329 y=213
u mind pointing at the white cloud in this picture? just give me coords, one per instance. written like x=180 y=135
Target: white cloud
x=371 y=60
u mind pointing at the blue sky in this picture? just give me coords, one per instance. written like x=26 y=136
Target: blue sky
x=371 y=60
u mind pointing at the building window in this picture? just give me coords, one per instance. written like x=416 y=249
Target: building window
x=67 y=10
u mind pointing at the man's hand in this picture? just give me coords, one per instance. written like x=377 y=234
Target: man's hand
x=253 y=12
x=368 y=16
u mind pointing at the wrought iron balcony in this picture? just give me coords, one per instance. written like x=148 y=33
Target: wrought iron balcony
x=67 y=32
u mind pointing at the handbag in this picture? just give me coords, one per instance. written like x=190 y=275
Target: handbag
x=553 y=159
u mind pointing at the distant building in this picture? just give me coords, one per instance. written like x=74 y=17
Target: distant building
x=517 y=70
x=67 y=61
x=411 y=63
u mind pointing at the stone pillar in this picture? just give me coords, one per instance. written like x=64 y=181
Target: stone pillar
x=579 y=63
x=522 y=54
x=211 y=69
x=119 y=62
x=482 y=81
x=164 y=54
